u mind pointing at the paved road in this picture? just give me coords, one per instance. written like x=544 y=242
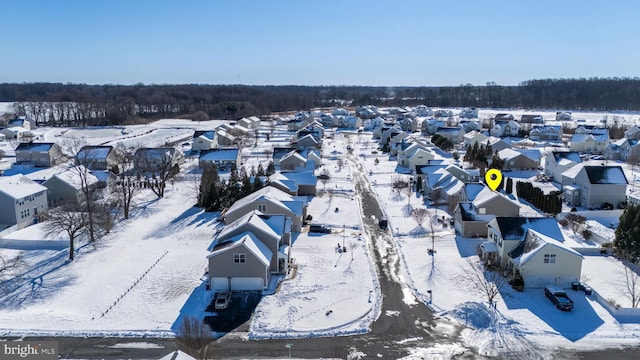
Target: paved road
x=399 y=328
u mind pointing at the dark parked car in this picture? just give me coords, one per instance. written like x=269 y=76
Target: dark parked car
x=316 y=228
x=383 y=224
x=559 y=298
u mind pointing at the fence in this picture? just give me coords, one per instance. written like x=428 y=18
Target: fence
x=621 y=314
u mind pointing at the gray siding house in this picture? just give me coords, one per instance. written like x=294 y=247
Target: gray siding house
x=39 y=154
x=21 y=200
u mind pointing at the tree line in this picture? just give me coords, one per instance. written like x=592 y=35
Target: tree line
x=58 y=104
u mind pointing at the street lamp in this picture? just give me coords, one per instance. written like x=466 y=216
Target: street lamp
x=343 y=234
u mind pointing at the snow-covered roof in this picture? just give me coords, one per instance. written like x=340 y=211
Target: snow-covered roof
x=219 y=155
x=273 y=195
x=18 y=186
x=606 y=175
x=473 y=189
x=72 y=177
x=94 y=152
x=301 y=177
x=515 y=228
x=34 y=147
x=573 y=171
x=250 y=241
x=177 y=355
x=253 y=219
x=535 y=242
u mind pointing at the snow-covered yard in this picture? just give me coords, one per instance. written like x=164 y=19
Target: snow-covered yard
x=143 y=276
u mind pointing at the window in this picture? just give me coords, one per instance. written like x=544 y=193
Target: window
x=239 y=258
x=262 y=207
x=549 y=258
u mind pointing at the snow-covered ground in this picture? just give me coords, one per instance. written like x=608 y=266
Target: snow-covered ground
x=143 y=276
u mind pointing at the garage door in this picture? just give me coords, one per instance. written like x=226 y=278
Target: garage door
x=255 y=283
x=219 y=284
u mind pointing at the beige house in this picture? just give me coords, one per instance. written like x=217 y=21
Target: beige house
x=270 y=201
x=471 y=217
x=204 y=140
x=520 y=159
x=533 y=249
x=39 y=154
x=473 y=137
x=101 y=157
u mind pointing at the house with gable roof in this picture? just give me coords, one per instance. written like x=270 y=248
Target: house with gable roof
x=624 y=149
x=308 y=142
x=516 y=159
x=24 y=122
x=222 y=158
x=533 y=249
x=248 y=251
x=299 y=182
x=21 y=200
x=204 y=140
x=546 y=132
x=66 y=187
x=429 y=126
x=99 y=157
x=39 y=154
x=453 y=134
x=292 y=161
x=408 y=149
x=557 y=162
x=593 y=186
x=472 y=216
x=271 y=201
x=591 y=139
x=473 y=137
x=632 y=133
x=505 y=128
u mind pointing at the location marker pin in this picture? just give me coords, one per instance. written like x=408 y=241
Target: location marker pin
x=493 y=177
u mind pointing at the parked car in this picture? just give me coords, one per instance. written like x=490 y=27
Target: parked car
x=223 y=300
x=383 y=224
x=559 y=298
x=316 y=228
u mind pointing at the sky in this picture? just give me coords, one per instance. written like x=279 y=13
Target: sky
x=328 y=42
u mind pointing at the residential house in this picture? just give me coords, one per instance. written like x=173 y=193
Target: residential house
x=252 y=122
x=593 y=186
x=24 y=122
x=531 y=119
x=308 y=142
x=429 y=126
x=421 y=174
x=248 y=251
x=387 y=133
x=632 y=133
x=67 y=186
x=270 y=201
x=495 y=143
x=469 y=113
x=423 y=110
x=533 y=249
x=516 y=159
x=156 y=160
x=39 y=154
x=473 y=137
x=557 y=162
x=292 y=161
x=222 y=158
x=503 y=128
x=469 y=125
x=315 y=128
x=564 y=116
x=546 y=132
x=395 y=142
x=407 y=149
x=442 y=113
x=22 y=200
x=100 y=157
x=472 y=216
x=299 y=182
x=204 y=140
x=503 y=117
x=625 y=149
x=590 y=139
x=225 y=137
x=453 y=134
x=408 y=124
x=349 y=122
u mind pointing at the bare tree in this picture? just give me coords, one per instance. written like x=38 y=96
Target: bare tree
x=575 y=221
x=324 y=176
x=194 y=338
x=200 y=116
x=419 y=215
x=432 y=232
x=10 y=267
x=157 y=166
x=399 y=183
x=630 y=286
x=436 y=197
x=489 y=282
x=452 y=202
x=67 y=218
x=78 y=160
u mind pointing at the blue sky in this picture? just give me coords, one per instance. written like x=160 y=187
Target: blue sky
x=328 y=42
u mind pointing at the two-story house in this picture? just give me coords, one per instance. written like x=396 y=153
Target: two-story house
x=39 y=154
x=557 y=162
x=21 y=200
x=592 y=187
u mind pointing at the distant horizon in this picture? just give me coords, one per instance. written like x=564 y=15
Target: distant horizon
x=374 y=43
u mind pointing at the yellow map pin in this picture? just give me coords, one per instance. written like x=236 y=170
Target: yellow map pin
x=493 y=177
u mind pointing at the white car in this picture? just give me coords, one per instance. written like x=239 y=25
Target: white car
x=223 y=300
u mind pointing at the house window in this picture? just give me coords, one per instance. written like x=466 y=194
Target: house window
x=549 y=258
x=262 y=207
x=239 y=258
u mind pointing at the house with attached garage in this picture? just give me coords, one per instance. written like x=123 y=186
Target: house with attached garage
x=589 y=139
x=156 y=160
x=222 y=158
x=532 y=249
x=520 y=159
x=546 y=132
x=557 y=162
x=473 y=137
x=39 y=154
x=248 y=251
x=453 y=134
x=308 y=142
x=21 y=200
x=271 y=201
x=299 y=182
x=472 y=216
x=591 y=187
x=624 y=149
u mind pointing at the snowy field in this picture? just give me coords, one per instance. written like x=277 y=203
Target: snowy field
x=143 y=276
